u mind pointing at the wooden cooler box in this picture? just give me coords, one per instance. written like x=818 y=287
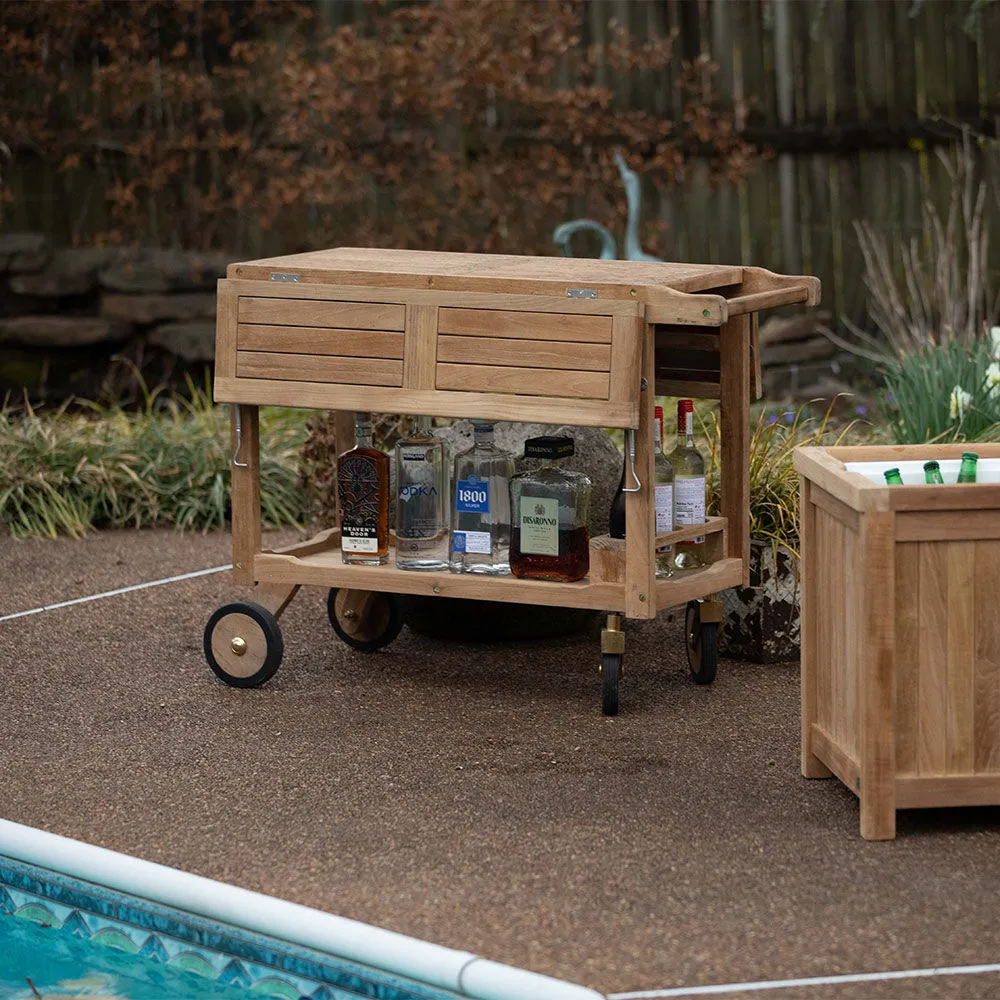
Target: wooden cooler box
x=901 y=629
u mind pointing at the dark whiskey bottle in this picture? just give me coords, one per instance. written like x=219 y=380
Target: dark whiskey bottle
x=363 y=498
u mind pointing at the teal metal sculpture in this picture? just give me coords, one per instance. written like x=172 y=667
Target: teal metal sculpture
x=563 y=233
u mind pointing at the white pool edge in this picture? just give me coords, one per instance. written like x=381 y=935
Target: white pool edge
x=435 y=965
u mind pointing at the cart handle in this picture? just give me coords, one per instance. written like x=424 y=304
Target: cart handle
x=239 y=439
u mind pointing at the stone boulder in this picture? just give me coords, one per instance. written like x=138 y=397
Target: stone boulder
x=194 y=341
x=148 y=271
x=23 y=251
x=70 y=271
x=158 y=308
x=60 y=331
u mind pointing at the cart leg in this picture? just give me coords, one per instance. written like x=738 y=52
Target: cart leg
x=245 y=491
x=275 y=596
x=612 y=651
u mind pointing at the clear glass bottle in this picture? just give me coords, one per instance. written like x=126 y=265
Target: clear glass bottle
x=689 y=488
x=480 y=506
x=663 y=496
x=550 y=508
x=363 y=498
x=421 y=500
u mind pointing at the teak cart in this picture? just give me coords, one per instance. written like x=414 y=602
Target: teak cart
x=900 y=632
x=543 y=339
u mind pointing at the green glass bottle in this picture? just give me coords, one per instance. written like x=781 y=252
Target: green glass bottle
x=967 y=473
x=893 y=478
x=932 y=473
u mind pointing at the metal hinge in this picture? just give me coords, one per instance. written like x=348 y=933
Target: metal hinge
x=284 y=276
x=581 y=293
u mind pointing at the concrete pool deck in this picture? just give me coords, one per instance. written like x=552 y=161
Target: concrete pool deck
x=474 y=796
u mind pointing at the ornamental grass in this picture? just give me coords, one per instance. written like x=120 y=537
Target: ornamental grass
x=99 y=465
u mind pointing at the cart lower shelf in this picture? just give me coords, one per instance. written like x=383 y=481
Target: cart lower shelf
x=318 y=562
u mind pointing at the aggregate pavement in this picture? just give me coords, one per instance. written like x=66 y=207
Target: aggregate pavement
x=472 y=794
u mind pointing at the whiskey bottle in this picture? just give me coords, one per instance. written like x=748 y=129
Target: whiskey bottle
x=550 y=506
x=480 y=506
x=967 y=473
x=421 y=500
x=932 y=473
x=663 y=496
x=363 y=498
x=689 y=488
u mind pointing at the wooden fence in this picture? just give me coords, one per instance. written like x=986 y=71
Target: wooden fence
x=853 y=97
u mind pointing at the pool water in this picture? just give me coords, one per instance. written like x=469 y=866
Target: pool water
x=65 y=939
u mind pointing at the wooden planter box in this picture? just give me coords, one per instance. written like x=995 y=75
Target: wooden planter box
x=900 y=633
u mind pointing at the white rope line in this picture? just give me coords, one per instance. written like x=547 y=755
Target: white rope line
x=115 y=593
x=784 y=984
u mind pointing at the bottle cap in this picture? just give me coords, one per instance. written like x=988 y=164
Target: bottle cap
x=684 y=406
x=889 y=472
x=548 y=447
x=931 y=465
x=971 y=455
x=658 y=412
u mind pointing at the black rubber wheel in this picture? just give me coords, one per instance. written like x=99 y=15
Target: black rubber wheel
x=702 y=642
x=611 y=664
x=365 y=619
x=243 y=644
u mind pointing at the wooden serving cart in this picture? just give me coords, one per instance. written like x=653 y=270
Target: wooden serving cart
x=552 y=340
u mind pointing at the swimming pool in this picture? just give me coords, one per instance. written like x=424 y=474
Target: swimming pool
x=79 y=921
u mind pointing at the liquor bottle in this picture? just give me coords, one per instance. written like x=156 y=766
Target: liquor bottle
x=363 y=495
x=421 y=500
x=689 y=488
x=967 y=473
x=616 y=516
x=893 y=478
x=549 y=506
x=480 y=506
x=932 y=473
x=663 y=496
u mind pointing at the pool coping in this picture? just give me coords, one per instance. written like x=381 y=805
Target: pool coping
x=460 y=972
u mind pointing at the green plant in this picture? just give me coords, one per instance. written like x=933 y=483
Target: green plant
x=943 y=392
x=66 y=473
x=774 y=483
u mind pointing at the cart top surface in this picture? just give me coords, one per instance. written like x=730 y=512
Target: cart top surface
x=413 y=267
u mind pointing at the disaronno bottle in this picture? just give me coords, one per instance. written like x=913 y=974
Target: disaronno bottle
x=363 y=495
x=689 y=488
x=549 y=508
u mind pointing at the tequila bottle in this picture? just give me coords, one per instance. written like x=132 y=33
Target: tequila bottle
x=967 y=473
x=363 y=498
x=932 y=473
x=421 y=500
x=480 y=506
x=689 y=488
x=893 y=477
x=549 y=509
x=663 y=496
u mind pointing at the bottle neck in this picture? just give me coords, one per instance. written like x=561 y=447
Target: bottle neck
x=685 y=429
x=363 y=431
x=658 y=433
x=482 y=434
x=421 y=425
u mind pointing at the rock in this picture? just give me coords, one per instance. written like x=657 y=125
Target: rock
x=23 y=252
x=761 y=622
x=60 y=331
x=595 y=454
x=789 y=351
x=164 y=271
x=191 y=341
x=157 y=308
x=71 y=271
x=777 y=329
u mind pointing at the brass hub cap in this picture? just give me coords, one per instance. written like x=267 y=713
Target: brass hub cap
x=238 y=645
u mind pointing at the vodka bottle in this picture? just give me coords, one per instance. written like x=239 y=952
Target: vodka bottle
x=480 y=506
x=421 y=500
x=663 y=496
x=689 y=488
x=363 y=498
